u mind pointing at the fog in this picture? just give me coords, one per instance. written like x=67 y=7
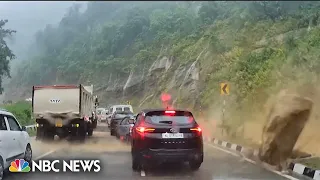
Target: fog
x=28 y=17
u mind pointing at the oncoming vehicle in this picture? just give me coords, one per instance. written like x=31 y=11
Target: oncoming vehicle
x=115 y=108
x=14 y=141
x=116 y=119
x=161 y=135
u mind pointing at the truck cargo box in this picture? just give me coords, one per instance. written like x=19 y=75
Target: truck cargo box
x=72 y=101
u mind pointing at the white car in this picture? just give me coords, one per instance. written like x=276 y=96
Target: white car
x=102 y=114
x=14 y=141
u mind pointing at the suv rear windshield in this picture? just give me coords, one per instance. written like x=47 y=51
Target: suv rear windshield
x=160 y=117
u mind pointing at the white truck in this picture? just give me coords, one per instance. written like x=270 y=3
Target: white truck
x=64 y=110
x=95 y=106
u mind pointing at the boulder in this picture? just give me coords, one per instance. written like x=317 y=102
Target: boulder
x=286 y=119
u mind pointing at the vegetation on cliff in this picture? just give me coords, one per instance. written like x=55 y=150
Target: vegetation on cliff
x=5 y=52
x=257 y=47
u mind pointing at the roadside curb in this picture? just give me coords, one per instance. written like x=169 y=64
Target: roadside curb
x=295 y=167
x=305 y=171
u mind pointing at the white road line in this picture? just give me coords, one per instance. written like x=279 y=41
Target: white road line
x=252 y=162
x=142 y=173
x=229 y=152
x=45 y=154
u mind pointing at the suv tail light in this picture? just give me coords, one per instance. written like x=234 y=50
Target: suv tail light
x=143 y=129
x=197 y=129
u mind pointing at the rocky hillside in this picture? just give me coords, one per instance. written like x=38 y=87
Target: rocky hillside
x=135 y=51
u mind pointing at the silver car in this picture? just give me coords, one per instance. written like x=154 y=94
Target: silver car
x=123 y=130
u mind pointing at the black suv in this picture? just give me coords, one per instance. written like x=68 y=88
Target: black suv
x=161 y=135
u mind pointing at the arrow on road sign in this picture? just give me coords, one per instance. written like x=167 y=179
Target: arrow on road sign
x=224 y=89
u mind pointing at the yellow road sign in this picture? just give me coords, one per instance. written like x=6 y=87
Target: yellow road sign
x=224 y=89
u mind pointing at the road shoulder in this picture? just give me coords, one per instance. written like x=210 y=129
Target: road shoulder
x=250 y=155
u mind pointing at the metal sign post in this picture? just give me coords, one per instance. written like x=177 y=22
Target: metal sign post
x=224 y=90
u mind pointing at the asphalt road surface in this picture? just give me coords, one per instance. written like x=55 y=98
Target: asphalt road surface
x=116 y=163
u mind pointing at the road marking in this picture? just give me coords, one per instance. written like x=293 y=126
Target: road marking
x=142 y=173
x=229 y=152
x=252 y=162
x=45 y=154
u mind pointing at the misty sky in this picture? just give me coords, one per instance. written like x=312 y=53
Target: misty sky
x=27 y=17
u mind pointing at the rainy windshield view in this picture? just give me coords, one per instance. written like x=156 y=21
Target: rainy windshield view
x=182 y=90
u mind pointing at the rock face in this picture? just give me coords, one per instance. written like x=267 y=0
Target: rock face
x=285 y=122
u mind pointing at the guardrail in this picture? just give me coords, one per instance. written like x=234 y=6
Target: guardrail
x=32 y=127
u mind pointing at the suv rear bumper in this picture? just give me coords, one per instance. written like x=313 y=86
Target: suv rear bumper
x=173 y=155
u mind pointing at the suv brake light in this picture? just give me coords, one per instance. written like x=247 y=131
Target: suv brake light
x=170 y=112
x=143 y=129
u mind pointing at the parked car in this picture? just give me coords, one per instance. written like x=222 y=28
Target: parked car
x=115 y=108
x=14 y=141
x=116 y=119
x=123 y=130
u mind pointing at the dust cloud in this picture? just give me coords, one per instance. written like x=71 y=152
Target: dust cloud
x=287 y=118
x=249 y=133
x=100 y=142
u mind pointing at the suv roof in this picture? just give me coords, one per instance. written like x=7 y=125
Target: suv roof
x=162 y=109
x=5 y=112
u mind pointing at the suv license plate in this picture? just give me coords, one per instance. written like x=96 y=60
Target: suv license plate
x=172 y=135
x=59 y=123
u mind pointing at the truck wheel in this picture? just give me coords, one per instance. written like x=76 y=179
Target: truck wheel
x=95 y=122
x=82 y=138
x=44 y=134
x=90 y=132
x=40 y=134
x=82 y=131
x=48 y=135
x=79 y=133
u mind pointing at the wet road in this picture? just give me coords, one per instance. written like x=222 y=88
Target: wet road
x=116 y=163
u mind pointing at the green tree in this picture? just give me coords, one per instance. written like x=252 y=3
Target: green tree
x=5 y=52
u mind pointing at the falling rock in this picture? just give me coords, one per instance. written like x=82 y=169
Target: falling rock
x=286 y=120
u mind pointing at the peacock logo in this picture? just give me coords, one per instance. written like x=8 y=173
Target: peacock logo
x=19 y=165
